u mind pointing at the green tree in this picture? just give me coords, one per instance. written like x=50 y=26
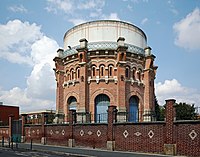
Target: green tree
x=185 y=111
x=159 y=111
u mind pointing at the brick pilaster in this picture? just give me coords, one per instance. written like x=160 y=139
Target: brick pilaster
x=10 y=125
x=43 y=139
x=111 y=118
x=72 y=120
x=170 y=146
x=24 y=121
x=170 y=114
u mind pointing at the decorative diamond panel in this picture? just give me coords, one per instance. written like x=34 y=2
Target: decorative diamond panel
x=125 y=133
x=137 y=134
x=98 y=133
x=151 y=134
x=63 y=132
x=89 y=132
x=51 y=132
x=193 y=134
x=81 y=132
x=38 y=131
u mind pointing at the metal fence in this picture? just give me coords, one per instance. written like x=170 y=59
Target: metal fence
x=137 y=116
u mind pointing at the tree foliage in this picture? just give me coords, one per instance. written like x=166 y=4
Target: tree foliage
x=159 y=111
x=185 y=111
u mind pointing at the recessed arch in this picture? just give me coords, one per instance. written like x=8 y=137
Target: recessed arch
x=102 y=101
x=133 y=109
x=72 y=103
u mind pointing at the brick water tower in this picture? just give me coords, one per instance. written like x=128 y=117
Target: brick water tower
x=105 y=63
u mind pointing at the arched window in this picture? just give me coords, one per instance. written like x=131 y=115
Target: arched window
x=139 y=74
x=110 y=70
x=81 y=57
x=101 y=70
x=102 y=102
x=93 y=71
x=72 y=74
x=72 y=102
x=78 y=73
x=68 y=77
x=133 y=109
x=133 y=73
x=122 y=57
x=127 y=72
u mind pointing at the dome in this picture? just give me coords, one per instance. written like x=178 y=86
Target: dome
x=104 y=34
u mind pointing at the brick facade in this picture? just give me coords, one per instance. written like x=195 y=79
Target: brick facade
x=118 y=73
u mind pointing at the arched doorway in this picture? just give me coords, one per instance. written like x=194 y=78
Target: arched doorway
x=72 y=102
x=102 y=102
x=133 y=109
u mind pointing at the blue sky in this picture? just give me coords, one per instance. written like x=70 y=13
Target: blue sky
x=31 y=32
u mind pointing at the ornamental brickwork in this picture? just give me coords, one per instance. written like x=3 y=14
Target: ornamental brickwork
x=91 y=75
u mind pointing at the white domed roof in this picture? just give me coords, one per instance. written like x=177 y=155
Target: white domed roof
x=105 y=31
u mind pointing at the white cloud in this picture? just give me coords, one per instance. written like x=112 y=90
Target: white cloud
x=173 y=89
x=129 y=7
x=16 y=39
x=18 y=8
x=188 y=31
x=59 y=5
x=112 y=16
x=91 y=4
x=172 y=7
x=91 y=8
x=145 y=20
x=34 y=48
x=76 y=21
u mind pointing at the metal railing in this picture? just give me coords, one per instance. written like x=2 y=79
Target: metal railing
x=137 y=116
x=93 y=46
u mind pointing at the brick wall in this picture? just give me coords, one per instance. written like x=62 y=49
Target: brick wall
x=33 y=132
x=94 y=136
x=4 y=132
x=57 y=134
x=170 y=137
x=141 y=137
x=187 y=138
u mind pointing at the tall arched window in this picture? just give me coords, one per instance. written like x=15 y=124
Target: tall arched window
x=78 y=73
x=81 y=57
x=102 y=102
x=93 y=71
x=101 y=71
x=72 y=74
x=133 y=109
x=139 y=74
x=127 y=72
x=122 y=57
x=72 y=102
x=66 y=75
x=133 y=73
x=110 y=70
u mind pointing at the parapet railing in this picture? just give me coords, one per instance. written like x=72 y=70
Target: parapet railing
x=104 y=46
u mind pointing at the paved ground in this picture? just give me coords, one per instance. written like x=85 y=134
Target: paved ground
x=7 y=152
x=51 y=151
